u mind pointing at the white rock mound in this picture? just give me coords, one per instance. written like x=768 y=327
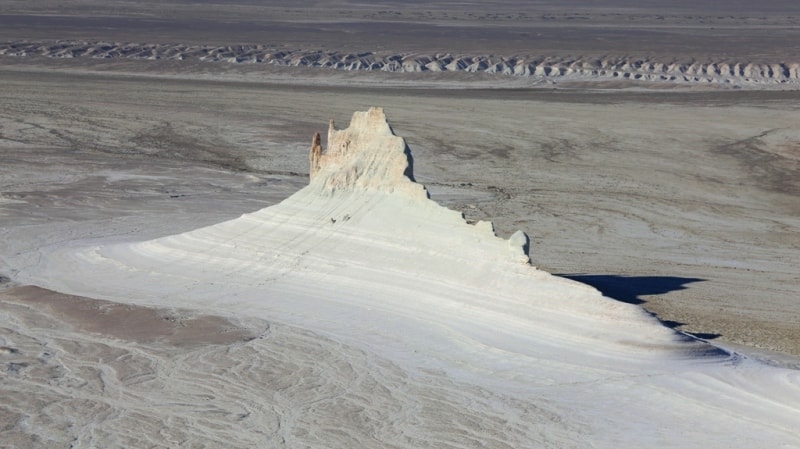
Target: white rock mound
x=363 y=225
x=367 y=156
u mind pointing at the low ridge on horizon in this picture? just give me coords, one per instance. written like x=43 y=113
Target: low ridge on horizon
x=551 y=68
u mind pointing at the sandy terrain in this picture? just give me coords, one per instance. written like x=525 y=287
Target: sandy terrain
x=679 y=197
x=170 y=378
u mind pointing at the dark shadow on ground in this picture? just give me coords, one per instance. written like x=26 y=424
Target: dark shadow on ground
x=630 y=289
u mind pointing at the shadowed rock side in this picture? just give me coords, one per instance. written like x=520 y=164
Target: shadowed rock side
x=314 y=155
x=545 y=67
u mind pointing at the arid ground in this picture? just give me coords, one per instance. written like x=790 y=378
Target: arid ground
x=680 y=197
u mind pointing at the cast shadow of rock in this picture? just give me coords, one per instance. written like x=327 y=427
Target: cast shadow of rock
x=409 y=171
x=630 y=289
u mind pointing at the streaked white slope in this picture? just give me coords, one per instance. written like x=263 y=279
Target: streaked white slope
x=361 y=256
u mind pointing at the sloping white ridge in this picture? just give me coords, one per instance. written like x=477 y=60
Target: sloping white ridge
x=363 y=256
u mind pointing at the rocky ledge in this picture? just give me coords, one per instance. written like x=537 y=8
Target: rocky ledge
x=729 y=73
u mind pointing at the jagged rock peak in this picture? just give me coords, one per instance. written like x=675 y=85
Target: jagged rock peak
x=366 y=155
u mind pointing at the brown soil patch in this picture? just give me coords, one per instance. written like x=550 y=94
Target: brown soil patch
x=130 y=322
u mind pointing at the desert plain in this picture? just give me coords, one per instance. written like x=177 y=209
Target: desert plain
x=679 y=196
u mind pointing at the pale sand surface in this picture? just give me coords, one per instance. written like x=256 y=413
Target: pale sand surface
x=78 y=372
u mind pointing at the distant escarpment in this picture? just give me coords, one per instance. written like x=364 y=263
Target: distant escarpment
x=549 y=68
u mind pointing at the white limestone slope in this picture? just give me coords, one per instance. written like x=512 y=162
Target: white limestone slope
x=363 y=257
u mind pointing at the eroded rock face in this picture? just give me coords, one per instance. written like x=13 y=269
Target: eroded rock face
x=738 y=73
x=365 y=155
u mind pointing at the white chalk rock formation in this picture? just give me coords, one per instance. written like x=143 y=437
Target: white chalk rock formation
x=363 y=256
x=366 y=164
x=365 y=156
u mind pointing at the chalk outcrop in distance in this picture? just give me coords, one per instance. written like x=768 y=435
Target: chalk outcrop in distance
x=547 y=67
